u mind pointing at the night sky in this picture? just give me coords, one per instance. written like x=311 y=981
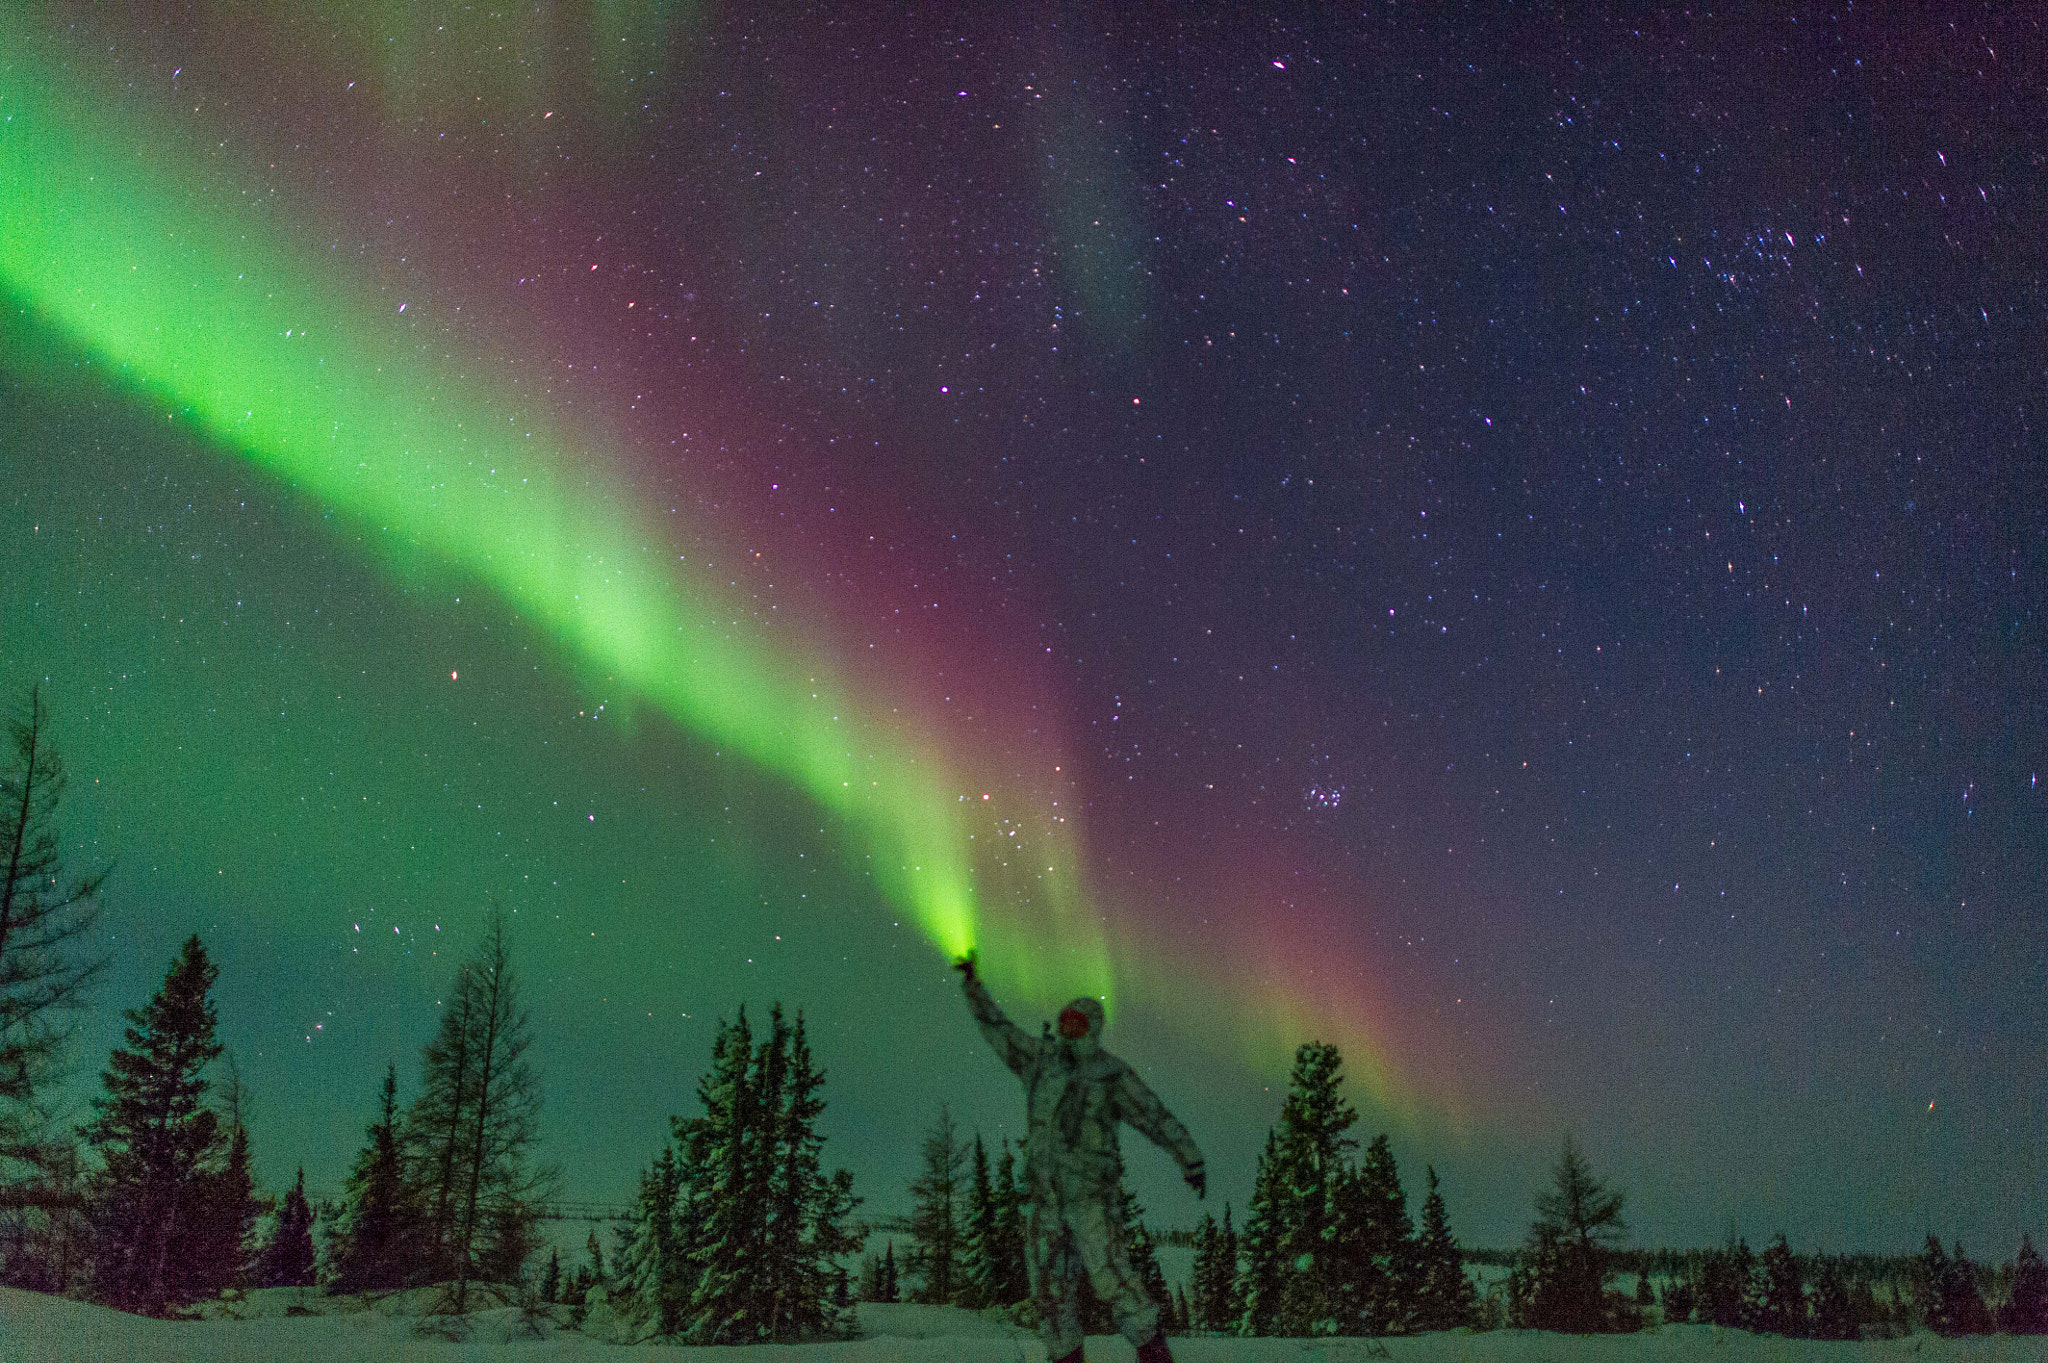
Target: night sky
x=1512 y=544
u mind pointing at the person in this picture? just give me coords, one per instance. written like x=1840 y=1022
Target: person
x=1075 y=1093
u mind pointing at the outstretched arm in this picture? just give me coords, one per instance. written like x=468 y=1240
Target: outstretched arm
x=1139 y=1106
x=1017 y=1049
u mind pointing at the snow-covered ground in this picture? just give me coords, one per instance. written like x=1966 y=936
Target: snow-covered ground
x=40 y=1329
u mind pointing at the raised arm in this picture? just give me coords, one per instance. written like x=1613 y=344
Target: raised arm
x=1141 y=1108
x=1010 y=1041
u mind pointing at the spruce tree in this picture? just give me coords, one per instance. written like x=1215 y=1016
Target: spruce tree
x=808 y=1211
x=375 y=1244
x=719 y=1153
x=288 y=1259
x=1724 y=1280
x=979 y=1262
x=1782 y=1307
x=2026 y=1313
x=1206 y=1278
x=1010 y=1266
x=1560 y=1279
x=551 y=1279
x=1378 y=1276
x=1321 y=1291
x=651 y=1289
x=1834 y=1310
x=1231 y=1295
x=216 y=1254
x=937 y=1235
x=1930 y=1288
x=1445 y=1298
x=156 y=1138
x=1962 y=1300
x=760 y=1225
x=1139 y=1249
x=1264 y=1265
x=890 y=1288
x=768 y=1075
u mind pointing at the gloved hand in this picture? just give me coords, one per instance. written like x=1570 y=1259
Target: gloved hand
x=965 y=965
x=1198 y=1179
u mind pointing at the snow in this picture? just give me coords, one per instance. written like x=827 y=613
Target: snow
x=260 y=1328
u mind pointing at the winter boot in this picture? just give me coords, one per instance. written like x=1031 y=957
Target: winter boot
x=1154 y=1350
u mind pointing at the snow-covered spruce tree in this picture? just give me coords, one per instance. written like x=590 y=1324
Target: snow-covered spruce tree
x=759 y=1224
x=1213 y=1302
x=1444 y=1298
x=1263 y=1264
x=651 y=1288
x=1320 y=1289
x=984 y=1248
x=937 y=1237
x=288 y=1259
x=1560 y=1279
x=376 y=1242
x=1782 y=1307
x=768 y=1074
x=808 y=1211
x=719 y=1151
x=1010 y=1259
x=474 y=1127
x=1377 y=1275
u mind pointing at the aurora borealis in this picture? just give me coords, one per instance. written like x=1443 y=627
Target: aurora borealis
x=1512 y=548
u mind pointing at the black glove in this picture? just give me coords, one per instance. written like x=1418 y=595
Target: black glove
x=1198 y=1179
x=965 y=965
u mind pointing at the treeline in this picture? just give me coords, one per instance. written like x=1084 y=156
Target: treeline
x=154 y=1205
x=739 y=1234
x=1559 y=1281
x=1823 y=1296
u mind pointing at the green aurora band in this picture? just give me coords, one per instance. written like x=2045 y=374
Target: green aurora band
x=224 y=321
x=194 y=305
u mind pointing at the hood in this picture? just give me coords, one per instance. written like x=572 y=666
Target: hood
x=1090 y=1009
